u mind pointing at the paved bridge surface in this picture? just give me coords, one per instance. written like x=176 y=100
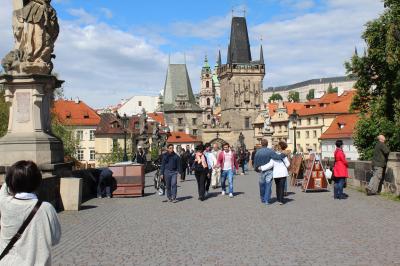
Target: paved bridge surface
x=311 y=229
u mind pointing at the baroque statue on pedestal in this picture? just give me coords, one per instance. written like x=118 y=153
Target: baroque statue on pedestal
x=35 y=29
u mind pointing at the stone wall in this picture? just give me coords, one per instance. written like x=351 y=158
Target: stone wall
x=361 y=172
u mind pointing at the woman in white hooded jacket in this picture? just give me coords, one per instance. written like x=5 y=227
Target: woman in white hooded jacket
x=279 y=172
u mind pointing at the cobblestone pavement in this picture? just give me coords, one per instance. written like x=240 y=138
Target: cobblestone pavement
x=311 y=229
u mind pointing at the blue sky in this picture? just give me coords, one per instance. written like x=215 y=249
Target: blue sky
x=110 y=50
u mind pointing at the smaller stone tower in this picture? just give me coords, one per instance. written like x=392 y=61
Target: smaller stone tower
x=207 y=93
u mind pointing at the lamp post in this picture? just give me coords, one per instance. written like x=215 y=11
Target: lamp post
x=293 y=118
x=125 y=120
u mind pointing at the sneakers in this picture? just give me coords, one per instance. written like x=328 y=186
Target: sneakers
x=174 y=201
x=160 y=192
x=206 y=194
x=223 y=193
x=230 y=195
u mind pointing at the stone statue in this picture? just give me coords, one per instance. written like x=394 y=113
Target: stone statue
x=241 y=140
x=35 y=28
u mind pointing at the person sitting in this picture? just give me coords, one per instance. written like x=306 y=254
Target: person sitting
x=17 y=202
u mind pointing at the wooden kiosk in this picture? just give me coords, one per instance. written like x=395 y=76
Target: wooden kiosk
x=314 y=175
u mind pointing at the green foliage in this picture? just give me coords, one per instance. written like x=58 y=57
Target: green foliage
x=378 y=81
x=4 y=110
x=294 y=96
x=275 y=97
x=310 y=94
x=66 y=135
x=114 y=157
x=331 y=89
x=154 y=154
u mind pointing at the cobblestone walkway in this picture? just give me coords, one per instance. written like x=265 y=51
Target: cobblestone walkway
x=312 y=229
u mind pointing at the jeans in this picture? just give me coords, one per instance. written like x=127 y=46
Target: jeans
x=227 y=174
x=265 y=184
x=338 y=188
x=170 y=180
x=100 y=191
x=376 y=182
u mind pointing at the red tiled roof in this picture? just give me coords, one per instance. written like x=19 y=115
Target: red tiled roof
x=272 y=108
x=73 y=113
x=332 y=104
x=182 y=137
x=293 y=106
x=158 y=117
x=342 y=127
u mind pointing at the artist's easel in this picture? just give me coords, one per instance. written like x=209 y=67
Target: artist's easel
x=296 y=168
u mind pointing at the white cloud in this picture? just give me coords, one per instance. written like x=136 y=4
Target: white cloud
x=298 y=4
x=107 y=12
x=82 y=16
x=208 y=29
x=314 y=44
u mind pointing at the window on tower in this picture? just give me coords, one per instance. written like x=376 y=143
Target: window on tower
x=208 y=102
x=207 y=84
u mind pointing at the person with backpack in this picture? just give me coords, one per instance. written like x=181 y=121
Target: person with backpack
x=200 y=167
x=29 y=227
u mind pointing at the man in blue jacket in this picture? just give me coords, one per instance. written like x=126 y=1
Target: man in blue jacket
x=170 y=169
x=263 y=156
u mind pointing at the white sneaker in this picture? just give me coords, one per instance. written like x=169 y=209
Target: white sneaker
x=223 y=193
x=230 y=195
x=160 y=192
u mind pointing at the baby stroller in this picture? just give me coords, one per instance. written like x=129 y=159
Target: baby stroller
x=159 y=184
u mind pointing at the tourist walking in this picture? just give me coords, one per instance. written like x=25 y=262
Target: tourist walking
x=242 y=160
x=262 y=157
x=211 y=162
x=170 y=169
x=140 y=155
x=340 y=171
x=200 y=171
x=191 y=161
x=227 y=161
x=18 y=202
x=184 y=164
x=279 y=171
x=216 y=170
x=379 y=161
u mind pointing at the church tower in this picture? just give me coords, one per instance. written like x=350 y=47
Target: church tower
x=241 y=82
x=207 y=94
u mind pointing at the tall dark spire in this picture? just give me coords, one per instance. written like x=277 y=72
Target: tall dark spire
x=239 y=42
x=219 y=61
x=261 y=55
x=228 y=55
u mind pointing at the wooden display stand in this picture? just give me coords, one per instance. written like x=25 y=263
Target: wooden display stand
x=130 y=179
x=314 y=177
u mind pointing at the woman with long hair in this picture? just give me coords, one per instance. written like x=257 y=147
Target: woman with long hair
x=200 y=170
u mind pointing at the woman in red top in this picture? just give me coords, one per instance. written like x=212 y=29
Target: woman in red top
x=339 y=171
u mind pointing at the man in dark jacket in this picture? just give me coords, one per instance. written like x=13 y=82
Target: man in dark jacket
x=141 y=155
x=263 y=156
x=170 y=169
x=381 y=153
x=105 y=182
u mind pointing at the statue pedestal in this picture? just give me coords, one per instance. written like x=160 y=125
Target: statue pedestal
x=29 y=134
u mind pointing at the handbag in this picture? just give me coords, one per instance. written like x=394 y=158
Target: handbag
x=21 y=230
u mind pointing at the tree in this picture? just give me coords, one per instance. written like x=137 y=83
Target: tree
x=294 y=96
x=66 y=135
x=378 y=82
x=275 y=97
x=310 y=94
x=331 y=89
x=4 y=110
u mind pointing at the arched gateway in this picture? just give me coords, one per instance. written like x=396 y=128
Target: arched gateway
x=219 y=141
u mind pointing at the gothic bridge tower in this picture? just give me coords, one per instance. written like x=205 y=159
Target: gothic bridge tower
x=241 y=81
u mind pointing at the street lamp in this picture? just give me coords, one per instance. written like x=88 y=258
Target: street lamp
x=125 y=120
x=293 y=118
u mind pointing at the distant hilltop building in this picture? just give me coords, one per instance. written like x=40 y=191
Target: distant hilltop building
x=320 y=87
x=137 y=103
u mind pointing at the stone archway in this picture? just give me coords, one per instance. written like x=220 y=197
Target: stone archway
x=219 y=141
